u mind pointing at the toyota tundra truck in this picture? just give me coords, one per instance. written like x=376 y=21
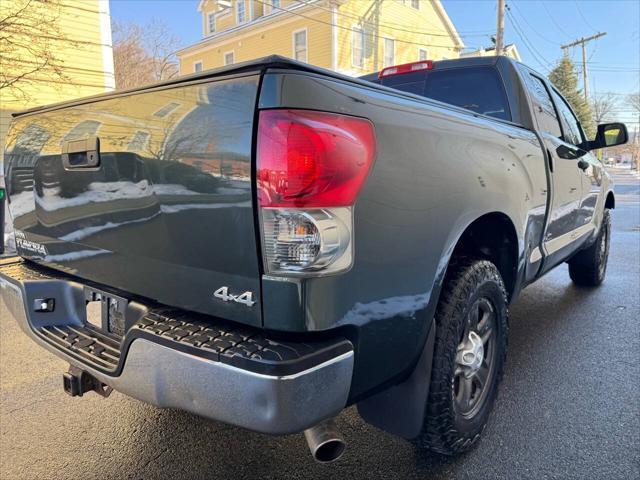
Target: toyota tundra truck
x=267 y=243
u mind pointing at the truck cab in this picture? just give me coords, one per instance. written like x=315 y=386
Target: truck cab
x=509 y=91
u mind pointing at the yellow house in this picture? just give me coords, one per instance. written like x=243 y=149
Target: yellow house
x=56 y=51
x=354 y=37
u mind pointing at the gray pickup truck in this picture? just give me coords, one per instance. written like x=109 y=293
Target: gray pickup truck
x=268 y=243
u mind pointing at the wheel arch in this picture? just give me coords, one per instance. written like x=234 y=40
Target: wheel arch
x=492 y=236
x=400 y=409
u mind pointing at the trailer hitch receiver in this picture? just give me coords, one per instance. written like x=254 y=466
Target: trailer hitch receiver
x=77 y=382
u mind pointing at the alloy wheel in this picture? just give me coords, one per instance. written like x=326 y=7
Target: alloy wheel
x=475 y=359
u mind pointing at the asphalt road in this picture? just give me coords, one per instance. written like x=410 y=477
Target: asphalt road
x=569 y=405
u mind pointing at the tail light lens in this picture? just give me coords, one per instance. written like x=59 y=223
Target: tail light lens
x=310 y=168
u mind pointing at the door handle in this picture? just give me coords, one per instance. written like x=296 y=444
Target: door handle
x=583 y=164
x=82 y=153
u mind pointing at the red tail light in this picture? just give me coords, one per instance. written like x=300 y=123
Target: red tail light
x=312 y=159
x=406 y=68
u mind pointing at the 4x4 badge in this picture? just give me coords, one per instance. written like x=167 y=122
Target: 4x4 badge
x=223 y=294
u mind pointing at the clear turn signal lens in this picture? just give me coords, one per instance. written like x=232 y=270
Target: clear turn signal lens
x=304 y=241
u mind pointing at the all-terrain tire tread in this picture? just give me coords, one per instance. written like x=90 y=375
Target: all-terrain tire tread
x=463 y=275
x=584 y=266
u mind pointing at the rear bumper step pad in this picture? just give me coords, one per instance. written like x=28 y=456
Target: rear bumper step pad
x=89 y=345
x=171 y=358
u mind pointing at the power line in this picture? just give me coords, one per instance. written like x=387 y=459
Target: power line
x=76 y=7
x=353 y=30
x=595 y=49
x=529 y=44
x=538 y=57
x=619 y=65
x=614 y=93
x=100 y=73
x=66 y=82
x=615 y=70
x=392 y=25
x=559 y=27
x=524 y=18
x=583 y=17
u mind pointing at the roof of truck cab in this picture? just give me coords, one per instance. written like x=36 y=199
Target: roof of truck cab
x=446 y=64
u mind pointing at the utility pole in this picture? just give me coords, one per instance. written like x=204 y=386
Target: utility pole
x=583 y=42
x=500 y=28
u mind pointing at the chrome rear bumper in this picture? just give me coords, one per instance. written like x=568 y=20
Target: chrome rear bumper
x=169 y=373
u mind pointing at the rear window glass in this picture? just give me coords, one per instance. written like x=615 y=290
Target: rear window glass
x=478 y=89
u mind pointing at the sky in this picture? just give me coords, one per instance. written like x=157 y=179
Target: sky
x=537 y=27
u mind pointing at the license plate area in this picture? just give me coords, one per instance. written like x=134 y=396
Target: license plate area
x=105 y=311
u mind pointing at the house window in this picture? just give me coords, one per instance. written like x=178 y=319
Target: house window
x=389 y=52
x=423 y=54
x=229 y=58
x=167 y=109
x=241 y=15
x=357 y=46
x=139 y=141
x=82 y=129
x=300 y=45
x=197 y=66
x=415 y=4
x=272 y=6
x=211 y=23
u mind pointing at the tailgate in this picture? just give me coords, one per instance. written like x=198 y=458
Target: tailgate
x=167 y=211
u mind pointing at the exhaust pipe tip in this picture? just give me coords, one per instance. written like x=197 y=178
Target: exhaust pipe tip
x=330 y=451
x=325 y=442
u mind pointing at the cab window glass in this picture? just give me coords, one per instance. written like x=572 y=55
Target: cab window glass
x=572 y=133
x=543 y=106
x=478 y=89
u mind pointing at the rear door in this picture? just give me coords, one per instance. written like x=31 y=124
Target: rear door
x=592 y=170
x=566 y=177
x=167 y=211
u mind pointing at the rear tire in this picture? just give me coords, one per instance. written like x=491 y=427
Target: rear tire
x=588 y=267
x=462 y=390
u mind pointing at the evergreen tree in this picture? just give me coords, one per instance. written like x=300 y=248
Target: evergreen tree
x=565 y=79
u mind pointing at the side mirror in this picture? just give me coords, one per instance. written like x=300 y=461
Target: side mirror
x=609 y=135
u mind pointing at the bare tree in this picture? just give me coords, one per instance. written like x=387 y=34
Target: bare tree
x=31 y=39
x=143 y=54
x=162 y=46
x=131 y=62
x=602 y=106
